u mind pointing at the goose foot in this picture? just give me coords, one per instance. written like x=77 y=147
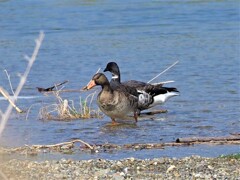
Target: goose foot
x=114 y=123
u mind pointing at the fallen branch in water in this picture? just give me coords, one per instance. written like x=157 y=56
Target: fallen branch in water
x=34 y=149
x=235 y=134
x=50 y=88
x=208 y=139
x=140 y=146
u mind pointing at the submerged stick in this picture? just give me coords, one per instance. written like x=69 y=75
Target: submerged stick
x=7 y=96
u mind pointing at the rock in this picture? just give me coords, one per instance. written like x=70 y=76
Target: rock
x=117 y=176
x=172 y=167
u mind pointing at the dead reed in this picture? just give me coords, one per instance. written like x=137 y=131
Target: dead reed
x=65 y=109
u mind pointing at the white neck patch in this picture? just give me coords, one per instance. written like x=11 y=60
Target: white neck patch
x=114 y=76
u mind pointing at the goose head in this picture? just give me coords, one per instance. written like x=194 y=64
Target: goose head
x=97 y=79
x=114 y=69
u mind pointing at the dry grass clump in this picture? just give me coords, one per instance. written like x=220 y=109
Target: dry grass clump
x=65 y=109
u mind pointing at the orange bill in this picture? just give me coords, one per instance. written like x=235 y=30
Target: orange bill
x=90 y=85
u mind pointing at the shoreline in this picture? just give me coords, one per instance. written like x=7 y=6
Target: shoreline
x=193 y=167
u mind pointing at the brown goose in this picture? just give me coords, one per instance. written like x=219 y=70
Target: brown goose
x=149 y=94
x=116 y=103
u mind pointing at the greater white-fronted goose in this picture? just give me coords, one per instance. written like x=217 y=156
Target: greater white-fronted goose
x=153 y=94
x=116 y=103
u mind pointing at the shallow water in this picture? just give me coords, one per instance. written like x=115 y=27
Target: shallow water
x=144 y=38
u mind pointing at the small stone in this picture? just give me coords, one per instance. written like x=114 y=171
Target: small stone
x=117 y=176
x=172 y=167
x=210 y=167
x=198 y=175
x=119 y=163
x=161 y=161
x=125 y=170
x=131 y=159
x=122 y=174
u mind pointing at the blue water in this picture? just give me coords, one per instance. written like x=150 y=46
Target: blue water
x=144 y=38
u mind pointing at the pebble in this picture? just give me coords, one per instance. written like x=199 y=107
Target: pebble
x=172 y=167
x=193 y=167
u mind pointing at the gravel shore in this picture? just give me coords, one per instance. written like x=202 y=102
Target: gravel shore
x=193 y=167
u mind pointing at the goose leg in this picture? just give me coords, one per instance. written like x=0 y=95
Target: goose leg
x=138 y=112
x=136 y=116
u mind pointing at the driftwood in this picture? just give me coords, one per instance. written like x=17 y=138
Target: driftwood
x=50 y=88
x=34 y=149
x=62 y=144
x=235 y=134
x=208 y=139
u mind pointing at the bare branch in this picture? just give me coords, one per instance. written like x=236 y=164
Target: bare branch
x=23 y=79
x=9 y=80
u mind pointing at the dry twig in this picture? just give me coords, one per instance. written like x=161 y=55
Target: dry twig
x=9 y=80
x=163 y=71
